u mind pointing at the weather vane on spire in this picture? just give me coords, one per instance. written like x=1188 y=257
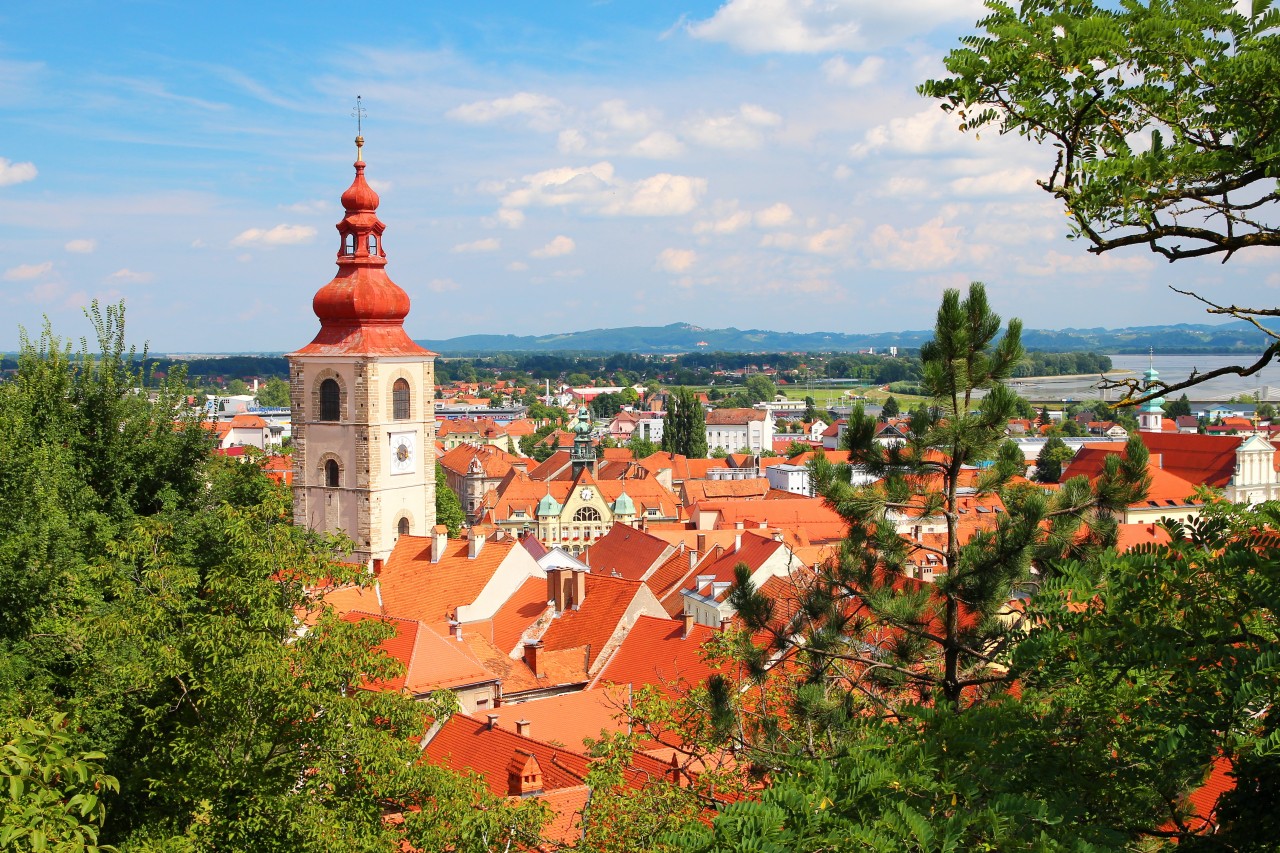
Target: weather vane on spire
x=358 y=114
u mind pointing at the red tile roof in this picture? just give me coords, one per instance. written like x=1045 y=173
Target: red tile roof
x=413 y=587
x=430 y=661
x=734 y=417
x=657 y=653
x=593 y=624
x=631 y=553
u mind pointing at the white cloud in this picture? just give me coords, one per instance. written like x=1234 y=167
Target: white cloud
x=774 y=216
x=16 y=173
x=127 y=274
x=27 y=272
x=559 y=246
x=729 y=224
x=281 y=235
x=925 y=132
x=487 y=244
x=823 y=26
x=739 y=130
x=596 y=189
x=442 y=285
x=904 y=187
x=931 y=246
x=658 y=145
x=842 y=73
x=81 y=247
x=830 y=241
x=542 y=111
x=1002 y=182
x=517 y=266
x=676 y=260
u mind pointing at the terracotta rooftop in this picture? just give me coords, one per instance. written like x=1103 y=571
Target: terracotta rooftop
x=413 y=587
x=430 y=661
x=657 y=653
x=596 y=620
x=631 y=553
x=734 y=417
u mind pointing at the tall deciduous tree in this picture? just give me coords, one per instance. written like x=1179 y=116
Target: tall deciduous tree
x=448 y=506
x=685 y=430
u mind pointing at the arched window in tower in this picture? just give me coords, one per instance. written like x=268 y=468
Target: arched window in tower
x=587 y=513
x=400 y=400
x=331 y=474
x=349 y=244
x=403 y=527
x=330 y=400
x=373 y=244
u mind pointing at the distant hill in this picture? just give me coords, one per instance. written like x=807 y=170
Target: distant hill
x=684 y=337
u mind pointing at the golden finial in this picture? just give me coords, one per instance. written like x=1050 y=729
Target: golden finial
x=358 y=114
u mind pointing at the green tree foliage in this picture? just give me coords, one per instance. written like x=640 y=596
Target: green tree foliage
x=890 y=409
x=274 y=394
x=154 y=597
x=1053 y=456
x=685 y=431
x=641 y=447
x=874 y=639
x=1160 y=113
x=52 y=795
x=1180 y=407
x=760 y=388
x=448 y=507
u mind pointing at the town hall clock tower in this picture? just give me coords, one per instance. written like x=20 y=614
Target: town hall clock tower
x=363 y=398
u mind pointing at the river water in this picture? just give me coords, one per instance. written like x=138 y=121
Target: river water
x=1172 y=368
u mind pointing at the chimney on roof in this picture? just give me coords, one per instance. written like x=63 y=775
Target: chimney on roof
x=579 y=588
x=455 y=629
x=377 y=567
x=475 y=542
x=532 y=657
x=493 y=721
x=762 y=524
x=1158 y=459
x=555 y=589
x=702 y=543
x=725 y=622
x=522 y=728
x=738 y=525
x=439 y=542
x=737 y=540
x=688 y=626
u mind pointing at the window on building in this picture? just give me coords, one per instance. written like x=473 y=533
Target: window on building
x=349 y=244
x=330 y=400
x=587 y=513
x=400 y=400
x=404 y=527
x=373 y=245
x=331 y=473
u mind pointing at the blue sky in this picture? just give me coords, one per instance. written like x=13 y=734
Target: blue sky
x=544 y=167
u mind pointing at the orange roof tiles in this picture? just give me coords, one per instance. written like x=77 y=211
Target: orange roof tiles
x=465 y=743
x=734 y=417
x=430 y=661
x=414 y=587
x=570 y=717
x=630 y=552
x=697 y=491
x=520 y=611
x=657 y=653
x=593 y=624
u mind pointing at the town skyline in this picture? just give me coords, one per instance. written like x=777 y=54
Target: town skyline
x=762 y=165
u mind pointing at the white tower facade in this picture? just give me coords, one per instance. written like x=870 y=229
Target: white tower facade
x=363 y=397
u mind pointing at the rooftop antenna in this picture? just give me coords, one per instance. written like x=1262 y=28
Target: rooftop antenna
x=358 y=114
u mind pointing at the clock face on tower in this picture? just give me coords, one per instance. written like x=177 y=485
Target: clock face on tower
x=402 y=457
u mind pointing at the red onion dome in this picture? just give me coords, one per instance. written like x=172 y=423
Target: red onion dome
x=360 y=196
x=360 y=296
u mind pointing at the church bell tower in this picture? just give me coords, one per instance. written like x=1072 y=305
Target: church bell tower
x=363 y=397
